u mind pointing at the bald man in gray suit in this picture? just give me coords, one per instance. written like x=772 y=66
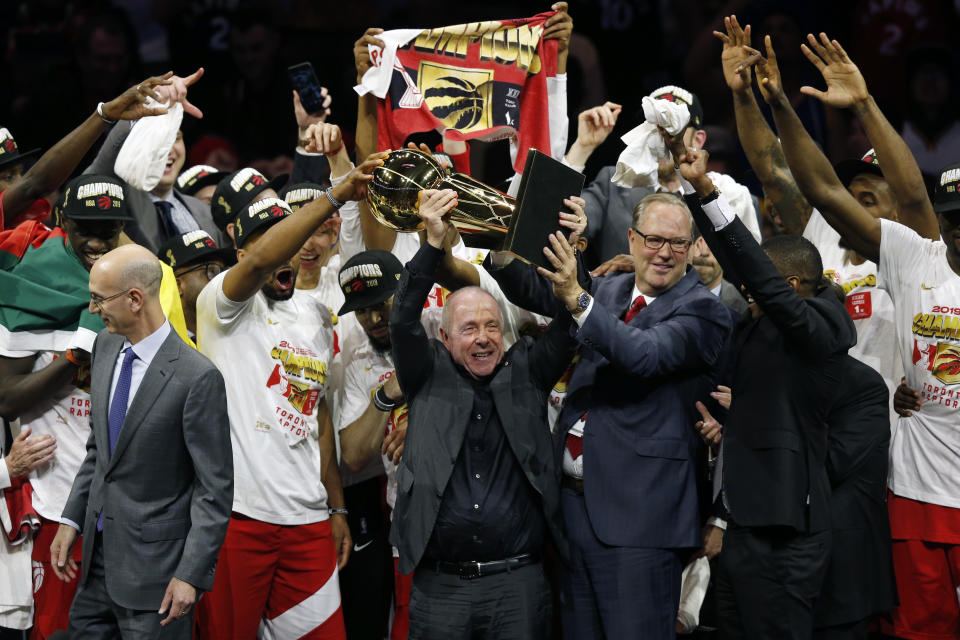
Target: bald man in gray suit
x=153 y=495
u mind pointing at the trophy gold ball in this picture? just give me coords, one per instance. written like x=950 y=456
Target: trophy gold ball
x=482 y=214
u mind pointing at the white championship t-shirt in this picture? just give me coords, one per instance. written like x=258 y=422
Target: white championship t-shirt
x=328 y=293
x=67 y=418
x=274 y=357
x=925 y=448
x=868 y=304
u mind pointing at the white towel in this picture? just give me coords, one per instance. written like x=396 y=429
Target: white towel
x=377 y=78
x=693 y=589
x=637 y=164
x=143 y=156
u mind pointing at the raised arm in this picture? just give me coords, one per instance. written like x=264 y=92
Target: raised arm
x=802 y=322
x=593 y=127
x=282 y=241
x=408 y=338
x=55 y=166
x=846 y=89
x=759 y=143
x=812 y=170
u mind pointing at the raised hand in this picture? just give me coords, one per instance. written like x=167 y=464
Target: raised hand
x=433 y=208
x=594 y=125
x=768 y=73
x=304 y=119
x=324 y=138
x=561 y=256
x=576 y=221
x=736 y=52
x=692 y=165
x=845 y=83
x=361 y=54
x=354 y=186
x=559 y=26
x=176 y=91
x=132 y=103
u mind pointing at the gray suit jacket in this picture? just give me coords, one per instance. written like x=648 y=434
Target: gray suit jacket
x=167 y=490
x=145 y=228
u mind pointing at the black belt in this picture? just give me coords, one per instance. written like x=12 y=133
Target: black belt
x=470 y=569
x=574 y=484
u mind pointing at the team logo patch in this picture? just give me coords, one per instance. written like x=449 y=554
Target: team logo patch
x=104 y=202
x=946 y=363
x=9 y=145
x=457 y=96
x=38 y=574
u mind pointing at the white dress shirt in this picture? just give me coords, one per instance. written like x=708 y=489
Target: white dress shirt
x=146 y=349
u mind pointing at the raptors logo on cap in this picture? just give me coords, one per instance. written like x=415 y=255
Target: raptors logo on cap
x=104 y=202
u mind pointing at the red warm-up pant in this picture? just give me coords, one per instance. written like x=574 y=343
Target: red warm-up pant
x=280 y=580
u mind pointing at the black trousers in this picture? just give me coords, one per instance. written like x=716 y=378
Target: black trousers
x=366 y=583
x=767 y=582
x=514 y=605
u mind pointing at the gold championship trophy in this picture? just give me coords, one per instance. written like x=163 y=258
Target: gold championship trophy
x=486 y=218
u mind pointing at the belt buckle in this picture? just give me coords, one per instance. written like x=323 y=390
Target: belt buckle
x=470 y=570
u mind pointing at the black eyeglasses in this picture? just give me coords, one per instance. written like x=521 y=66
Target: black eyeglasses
x=97 y=301
x=213 y=269
x=677 y=245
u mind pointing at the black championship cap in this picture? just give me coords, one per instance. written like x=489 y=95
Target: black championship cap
x=197 y=177
x=194 y=247
x=946 y=195
x=236 y=191
x=847 y=170
x=261 y=213
x=94 y=197
x=682 y=96
x=297 y=195
x=9 y=152
x=368 y=278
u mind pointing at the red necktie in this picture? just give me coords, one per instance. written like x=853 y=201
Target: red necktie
x=575 y=442
x=635 y=308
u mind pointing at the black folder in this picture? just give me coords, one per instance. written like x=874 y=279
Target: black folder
x=543 y=187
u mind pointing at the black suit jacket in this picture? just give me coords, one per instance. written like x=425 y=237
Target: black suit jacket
x=859 y=580
x=440 y=400
x=786 y=369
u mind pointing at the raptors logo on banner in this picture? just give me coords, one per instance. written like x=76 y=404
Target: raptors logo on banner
x=482 y=80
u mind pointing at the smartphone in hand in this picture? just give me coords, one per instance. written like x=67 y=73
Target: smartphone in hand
x=304 y=80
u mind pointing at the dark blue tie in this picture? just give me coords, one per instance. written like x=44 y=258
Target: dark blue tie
x=167 y=226
x=118 y=406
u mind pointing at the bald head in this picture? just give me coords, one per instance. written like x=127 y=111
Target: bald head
x=130 y=266
x=470 y=296
x=472 y=331
x=125 y=292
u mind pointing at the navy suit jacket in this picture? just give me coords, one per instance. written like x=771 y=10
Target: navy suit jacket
x=638 y=383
